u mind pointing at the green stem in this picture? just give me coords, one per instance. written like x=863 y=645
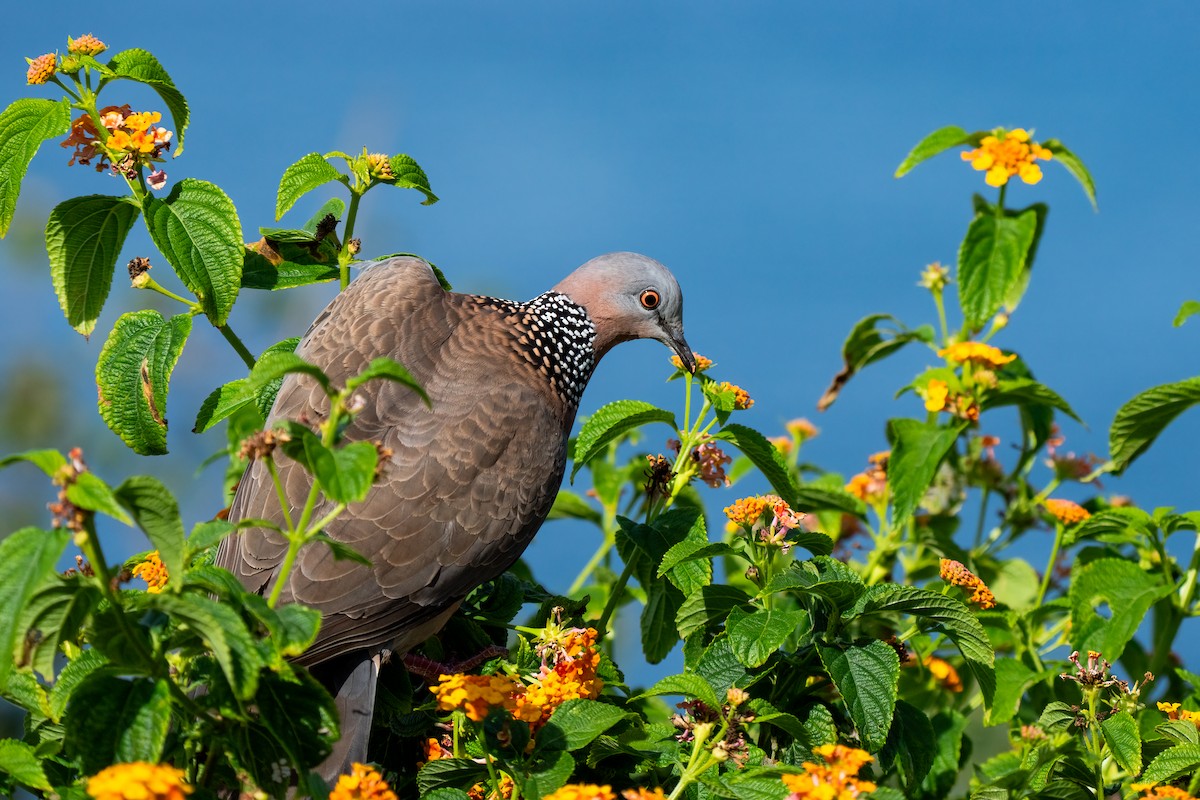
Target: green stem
x=289 y=559
x=345 y=256
x=280 y=493
x=987 y=492
x=941 y=309
x=591 y=565
x=54 y=79
x=240 y=348
x=614 y=596
x=146 y=282
x=1058 y=537
x=1000 y=201
x=324 y=521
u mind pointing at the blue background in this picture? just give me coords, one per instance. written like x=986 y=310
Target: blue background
x=749 y=146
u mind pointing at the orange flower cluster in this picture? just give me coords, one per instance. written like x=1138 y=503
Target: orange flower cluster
x=977 y=353
x=139 y=781
x=954 y=573
x=1152 y=792
x=132 y=140
x=152 y=572
x=944 y=673
x=938 y=398
x=1006 y=154
x=870 y=486
x=480 y=792
x=741 y=398
x=86 y=45
x=836 y=779
x=476 y=695
x=363 y=783
x=1066 y=512
x=41 y=69
x=568 y=674
x=591 y=791
x=702 y=363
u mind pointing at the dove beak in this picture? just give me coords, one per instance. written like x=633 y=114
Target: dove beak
x=676 y=342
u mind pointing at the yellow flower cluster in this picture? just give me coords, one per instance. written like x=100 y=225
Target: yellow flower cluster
x=976 y=353
x=1066 y=512
x=480 y=792
x=363 y=783
x=1173 y=711
x=476 y=695
x=869 y=486
x=86 y=45
x=582 y=791
x=152 y=572
x=571 y=675
x=1007 y=154
x=954 y=573
x=702 y=363
x=836 y=779
x=134 y=133
x=747 y=510
x=41 y=69
x=741 y=398
x=936 y=394
x=944 y=673
x=138 y=781
x=1153 y=792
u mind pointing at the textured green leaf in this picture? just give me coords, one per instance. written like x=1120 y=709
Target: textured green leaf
x=548 y=773
x=687 y=685
x=27 y=557
x=917 y=450
x=1012 y=679
x=1022 y=391
x=84 y=236
x=407 y=174
x=1056 y=716
x=383 y=368
x=132 y=375
x=275 y=365
x=207 y=534
x=937 y=142
x=344 y=473
x=139 y=65
x=755 y=636
x=72 y=675
x=691 y=550
x=301 y=178
x=154 y=509
x=268 y=390
x=872 y=338
x=24 y=125
x=112 y=720
x=221 y=630
x=948 y=727
x=990 y=262
x=221 y=402
x=1139 y=422
x=196 y=227
x=707 y=607
x=822 y=577
x=449 y=773
x=577 y=722
x=259 y=272
x=1074 y=166
x=299 y=714
x=612 y=421
x=866 y=676
x=48 y=461
x=568 y=505
x=1182 y=759
x=1126 y=589
x=55 y=614
x=89 y=492
x=21 y=761
x=1124 y=741
x=1186 y=311
x=911 y=743
x=765 y=456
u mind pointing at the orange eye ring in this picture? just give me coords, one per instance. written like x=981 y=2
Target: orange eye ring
x=650 y=299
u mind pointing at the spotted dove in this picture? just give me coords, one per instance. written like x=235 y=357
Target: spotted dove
x=470 y=478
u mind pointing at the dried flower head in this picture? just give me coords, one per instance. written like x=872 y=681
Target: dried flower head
x=976 y=353
x=658 y=476
x=138 y=780
x=1094 y=674
x=702 y=363
x=262 y=444
x=86 y=45
x=363 y=783
x=152 y=571
x=41 y=69
x=934 y=277
x=712 y=460
x=834 y=779
x=1008 y=153
x=1066 y=512
x=954 y=573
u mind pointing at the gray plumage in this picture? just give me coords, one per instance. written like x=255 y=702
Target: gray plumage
x=471 y=478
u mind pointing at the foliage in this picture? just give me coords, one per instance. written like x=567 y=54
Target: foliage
x=837 y=636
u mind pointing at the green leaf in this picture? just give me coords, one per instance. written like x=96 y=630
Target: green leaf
x=27 y=557
x=223 y=401
x=48 y=461
x=568 y=505
x=301 y=178
x=449 y=773
x=811 y=498
x=937 y=142
x=344 y=473
x=1124 y=742
x=89 y=492
x=276 y=365
x=765 y=456
x=24 y=125
x=1182 y=759
x=154 y=509
x=912 y=743
x=21 y=761
x=576 y=723
x=132 y=374
x=84 y=236
x=265 y=394
x=868 y=342
x=1074 y=166
x=55 y=614
x=221 y=630
x=1056 y=716
x=1023 y=391
x=139 y=65
x=1127 y=590
x=387 y=369
x=948 y=615
x=196 y=227
x=24 y=691
x=407 y=174
x=341 y=551
x=1012 y=679
x=866 y=677
x=612 y=421
x=1139 y=422
x=72 y=675
x=207 y=534
x=822 y=577
x=991 y=260
x=299 y=713
x=948 y=729
x=260 y=272
x=917 y=450
x=1189 y=309
x=112 y=720
x=548 y=773
x=707 y=607
x=686 y=685
x=755 y=636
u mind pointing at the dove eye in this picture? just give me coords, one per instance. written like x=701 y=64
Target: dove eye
x=650 y=299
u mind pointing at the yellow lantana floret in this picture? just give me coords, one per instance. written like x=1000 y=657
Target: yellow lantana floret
x=976 y=353
x=582 y=791
x=476 y=695
x=152 y=572
x=1066 y=512
x=363 y=783
x=86 y=45
x=936 y=394
x=836 y=779
x=1008 y=153
x=138 y=780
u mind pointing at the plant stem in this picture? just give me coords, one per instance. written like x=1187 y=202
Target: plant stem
x=987 y=493
x=591 y=565
x=1058 y=537
x=344 y=257
x=615 y=594
x=240 y=348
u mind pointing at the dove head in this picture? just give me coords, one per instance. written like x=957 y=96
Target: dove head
x=629 y=296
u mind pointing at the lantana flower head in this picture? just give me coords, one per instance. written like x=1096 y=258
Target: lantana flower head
x=41 y=69
x=937 y=392
x=363 y=783
x=153 y=572
x=944 y=673
x=1066 y=511
x=1156 y=792
x=1008 y=153
x=956 y=574
x=801 y=429
x=741 y=398
x=570 y=661
x=131 y=141
x=582 y=791
x=86 y=45
x=834 y=779
x=934 y=277
x=766 y=517
x=476 y=695
x=712 y=461
x=702 y=362
x=138 y=780
x=976 y=353
x=870 y=486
